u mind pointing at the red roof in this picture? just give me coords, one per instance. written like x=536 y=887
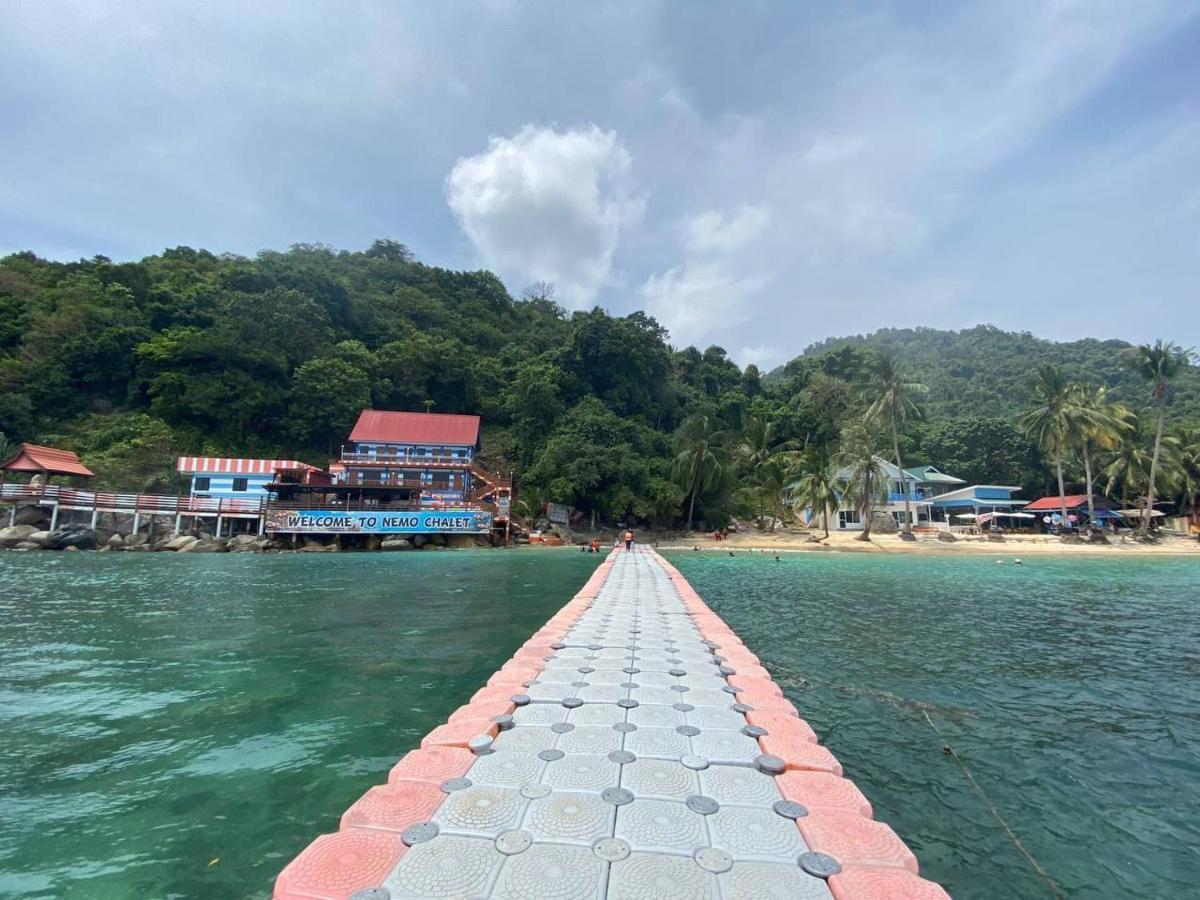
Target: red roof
x=1051 y=503
x=34 y=458
x=384 y=427
x=236 y=465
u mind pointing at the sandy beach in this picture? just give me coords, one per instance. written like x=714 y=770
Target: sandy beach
x=785 y=541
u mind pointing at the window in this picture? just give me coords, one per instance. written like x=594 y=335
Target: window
x=200 y=483
x=848 y=517
x=240 y=484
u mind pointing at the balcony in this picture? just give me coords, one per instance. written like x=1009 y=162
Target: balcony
x=397 y=481
x=350 y=457
x=916 y=496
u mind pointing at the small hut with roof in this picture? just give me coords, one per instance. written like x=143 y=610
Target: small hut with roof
x=36 y=460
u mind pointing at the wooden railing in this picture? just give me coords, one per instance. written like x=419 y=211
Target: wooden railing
x=75 y=498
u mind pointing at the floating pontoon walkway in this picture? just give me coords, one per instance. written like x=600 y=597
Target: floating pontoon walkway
x=633 y=748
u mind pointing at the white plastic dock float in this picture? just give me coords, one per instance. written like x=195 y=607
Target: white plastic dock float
x=633 y=748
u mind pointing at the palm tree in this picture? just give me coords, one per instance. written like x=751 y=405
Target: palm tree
x=758 y=451
x=1052 y=421
x=814 y=484
x=1099 y=424
x=699 y=458
x=863 y=478
x=1156 y=363
x=1128 y=463
x=1189 y=458
x=893 y=402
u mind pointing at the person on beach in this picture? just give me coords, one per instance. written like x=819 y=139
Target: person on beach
x=628 y=540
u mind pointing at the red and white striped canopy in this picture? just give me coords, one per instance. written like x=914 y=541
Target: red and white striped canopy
x=192 y=465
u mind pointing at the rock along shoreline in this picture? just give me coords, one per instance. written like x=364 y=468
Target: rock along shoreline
x=34 y=537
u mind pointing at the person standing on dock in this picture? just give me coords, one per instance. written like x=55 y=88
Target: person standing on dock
x=628 y=540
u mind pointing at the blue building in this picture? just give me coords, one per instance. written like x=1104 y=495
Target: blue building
x=432 y=454
x=976 y=500
x=233 y=478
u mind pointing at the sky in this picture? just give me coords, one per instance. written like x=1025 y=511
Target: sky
x=757 y=175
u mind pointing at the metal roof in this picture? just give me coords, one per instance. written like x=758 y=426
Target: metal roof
x=932 y=475
x=386 y=427
x=969 y=492
x=1070 y=502
x=228 y=465
x=36 y=458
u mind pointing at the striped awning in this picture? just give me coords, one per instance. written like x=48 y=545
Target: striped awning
x=229 y=465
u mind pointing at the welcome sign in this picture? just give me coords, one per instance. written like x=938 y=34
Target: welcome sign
x=314 y=521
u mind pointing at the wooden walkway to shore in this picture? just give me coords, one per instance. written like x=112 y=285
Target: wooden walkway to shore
x=633 y=748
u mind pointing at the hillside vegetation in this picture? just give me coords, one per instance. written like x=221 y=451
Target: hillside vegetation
x=191 y=352
x=986 y=371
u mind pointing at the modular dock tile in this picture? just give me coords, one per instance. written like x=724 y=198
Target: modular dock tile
x=632 y=748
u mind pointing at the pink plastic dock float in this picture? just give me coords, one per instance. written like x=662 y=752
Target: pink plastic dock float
x=633 y=748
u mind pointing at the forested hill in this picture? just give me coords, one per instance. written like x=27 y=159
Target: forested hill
x=195 y=353
x=986 y=371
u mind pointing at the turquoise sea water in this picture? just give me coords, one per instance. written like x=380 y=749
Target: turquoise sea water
x=1070 y=687
x=160 y=712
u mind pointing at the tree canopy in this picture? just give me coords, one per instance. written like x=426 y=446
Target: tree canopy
x=194 y=352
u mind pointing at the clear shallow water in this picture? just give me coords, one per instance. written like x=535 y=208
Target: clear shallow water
x=159 y=712
x=1071 y=687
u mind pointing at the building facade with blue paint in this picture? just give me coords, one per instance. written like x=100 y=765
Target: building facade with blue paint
x=233 y=478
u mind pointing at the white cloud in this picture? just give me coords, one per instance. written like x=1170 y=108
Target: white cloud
x=765 y=356
x=714 y=232
x=547 y=205
x=713 y=289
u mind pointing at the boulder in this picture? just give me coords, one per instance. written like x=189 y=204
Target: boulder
x=178 y=543
x=116 y=542
x=78 y=536
x=395 y=543
x=203 y=547
x=33 y=515
x=15 y=534
x=27 y=545
x=374 y=542
x=947 y=537
x=41 y=538
x=313 y=548
x=460 y=541
x=136 y=540
x=310 y=541
x=438 y=540
x=420 y=540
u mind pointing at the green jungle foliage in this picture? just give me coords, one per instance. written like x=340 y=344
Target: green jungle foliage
x=190 y=352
